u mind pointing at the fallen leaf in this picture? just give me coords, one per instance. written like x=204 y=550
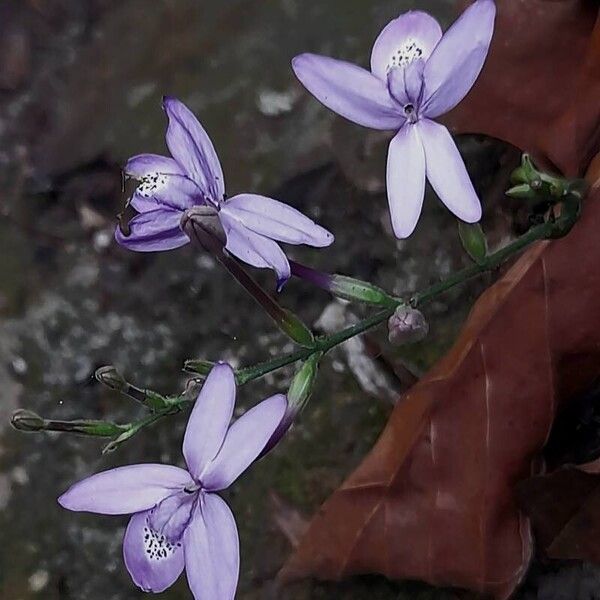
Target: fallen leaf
x=564 y=508
x=434 y=500
x=540 y=87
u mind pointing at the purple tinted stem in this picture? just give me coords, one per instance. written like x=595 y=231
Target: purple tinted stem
x=317 y=278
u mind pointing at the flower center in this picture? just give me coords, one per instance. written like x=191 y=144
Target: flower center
x=410 y=112
x=404 y=55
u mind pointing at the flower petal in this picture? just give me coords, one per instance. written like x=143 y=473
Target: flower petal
x=406 y=83
x=159 y=190
x=124 y=490
x=210 y=419
x=276 y=220
x=212 y=550
x=447 y=173
x=153 y=231
x=458 y=59
x=245 y=440
x=171 y=516
x=412 y=35
x=153 y=563
x=191 y=147
x=348 y=90
x=405 y=180
x=254 y=249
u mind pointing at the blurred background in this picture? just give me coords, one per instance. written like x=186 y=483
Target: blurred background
x=81 y=83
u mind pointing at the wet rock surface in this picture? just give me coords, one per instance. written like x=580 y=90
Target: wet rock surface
x=80 y=92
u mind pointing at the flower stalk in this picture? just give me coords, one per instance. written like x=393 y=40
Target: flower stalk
x=200 y=227
x=554 y=227
x=27 y=420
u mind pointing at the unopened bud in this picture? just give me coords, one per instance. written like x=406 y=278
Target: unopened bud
x=407 y=325
x=110 y=377
x=344 y=287
x=523 y=191
x=298 y=395
x=302 y=385
x=531 y=183
x=27 y=420
x=526 y=172
x=349 y=288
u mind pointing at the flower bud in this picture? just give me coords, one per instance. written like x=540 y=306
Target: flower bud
x=298 y=395
x=349 y=288
x=27 y=420
x=407 y=325
x=302 y=385
x=110 y=377
x=523 y=191
x=344 y=287
x=525 y=172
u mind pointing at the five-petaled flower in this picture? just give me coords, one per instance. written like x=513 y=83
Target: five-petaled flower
x=253 y=224
x=416 y=75
x=179 y=520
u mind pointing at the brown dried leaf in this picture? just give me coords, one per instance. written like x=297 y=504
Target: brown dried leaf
x=434 y=499
x=564 y=508
x=540 y=87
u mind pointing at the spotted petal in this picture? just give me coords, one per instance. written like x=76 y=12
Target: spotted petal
x=413 y=35
x=276 y=220
x=191 y=147
x=142 y=165
x=153 y=231
x=153 y=563
x=212 y=553
x=458 y=59
x=124 y=490
x=348 y=90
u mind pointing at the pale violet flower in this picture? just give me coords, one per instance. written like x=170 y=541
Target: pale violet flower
x=416 y=75
x=252 y=224
x=179 y=520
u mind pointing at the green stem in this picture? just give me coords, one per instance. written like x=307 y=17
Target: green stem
x=489 y=263
x=289 y=323
x=322 y=344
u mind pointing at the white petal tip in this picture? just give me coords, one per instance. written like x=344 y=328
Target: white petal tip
x=402 y=232
x=471 y=214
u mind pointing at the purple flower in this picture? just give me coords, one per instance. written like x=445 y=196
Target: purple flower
x=253 y=224
x=416 y=75
x=179 y=520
